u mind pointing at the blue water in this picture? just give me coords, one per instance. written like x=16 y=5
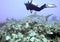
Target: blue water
x=16 y=8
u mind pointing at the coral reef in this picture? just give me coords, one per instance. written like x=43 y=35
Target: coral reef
x=33 y=28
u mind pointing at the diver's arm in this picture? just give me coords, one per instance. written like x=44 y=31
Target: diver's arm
x=30 y=11
x=31 y=1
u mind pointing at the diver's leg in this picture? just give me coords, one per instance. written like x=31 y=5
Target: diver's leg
x=42 y=7
x=47 y=6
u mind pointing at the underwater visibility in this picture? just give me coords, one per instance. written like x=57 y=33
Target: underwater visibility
x=32 y=28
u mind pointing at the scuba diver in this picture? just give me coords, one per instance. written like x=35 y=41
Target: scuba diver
x=31 y=6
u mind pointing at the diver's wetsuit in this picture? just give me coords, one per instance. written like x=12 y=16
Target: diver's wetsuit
x=40 y=8
x=34 y=7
